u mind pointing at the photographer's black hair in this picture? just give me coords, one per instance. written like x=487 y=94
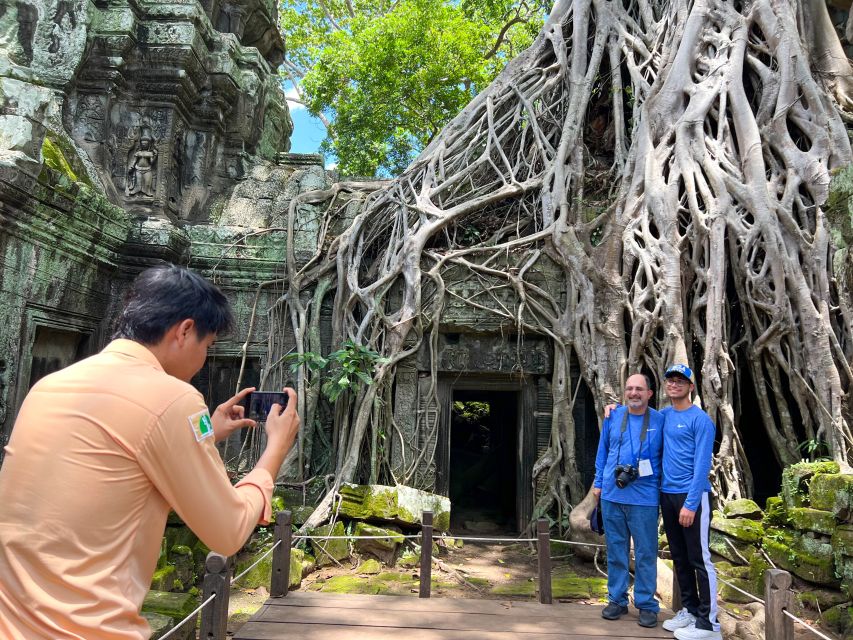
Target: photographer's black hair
x=162 y=296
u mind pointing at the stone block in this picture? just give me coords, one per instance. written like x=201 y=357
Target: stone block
x=732 y=549
x=729 y=594
x=330 y=551
x=370 y=567
x=383 y=547
x=796 y=479
x=808 y=519
x=775 y=512
x=743 y=508
x=839 y=618
x=400 y=504
x=741 y=529
x=173 y=605
x=160 y=625
x=833 y=492
x=785 y=549
x=164 y=579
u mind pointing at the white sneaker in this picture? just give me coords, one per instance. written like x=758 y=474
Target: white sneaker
x=682 y=619
x=692 y=633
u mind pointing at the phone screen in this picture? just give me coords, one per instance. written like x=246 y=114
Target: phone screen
x=258 y=403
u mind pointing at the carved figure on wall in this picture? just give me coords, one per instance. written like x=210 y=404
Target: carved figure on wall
x=141 y=175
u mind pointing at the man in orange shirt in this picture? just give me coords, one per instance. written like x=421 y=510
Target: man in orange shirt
x=102 y=450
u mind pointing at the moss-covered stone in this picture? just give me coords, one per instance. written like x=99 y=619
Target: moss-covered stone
x=383 y=543
x=409 y=558
x=166 y=579
x=796 y=479
x=399 y=504
x=521 y=588
x=301 y=514
x=730 y=594
x=784 y=547
x=347 y=584
x=741 y=529
x=566 y=584
x=839 y=618
x=821 y=599
x=743 y=508
x=775 y=513
x=833 y=492
x=174 y=605
x=808 y=519
x=370 y=566
x=330 y=551
x=733 y=550
x=160 y=624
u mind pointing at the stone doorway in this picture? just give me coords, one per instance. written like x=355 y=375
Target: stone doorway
x=483 y=462
x=483 y=445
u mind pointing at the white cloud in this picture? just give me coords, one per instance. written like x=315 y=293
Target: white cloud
x=331 y=166
x=291 y=94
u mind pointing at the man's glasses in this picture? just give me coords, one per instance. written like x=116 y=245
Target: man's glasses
x=677 y=382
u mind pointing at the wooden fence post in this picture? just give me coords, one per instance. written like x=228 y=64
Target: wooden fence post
x=217 y=580
x=676 y=592
x=426 y=555
x=777 y=597
x=280 y=582
x=543 y=545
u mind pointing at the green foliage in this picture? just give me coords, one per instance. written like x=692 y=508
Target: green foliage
x=346 y=368
x=471 y=412
x=815 y=449
x=388 y=75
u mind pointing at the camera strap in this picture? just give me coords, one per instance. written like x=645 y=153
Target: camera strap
x=624 y=428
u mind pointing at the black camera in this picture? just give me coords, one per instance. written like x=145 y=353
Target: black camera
x=625 y=475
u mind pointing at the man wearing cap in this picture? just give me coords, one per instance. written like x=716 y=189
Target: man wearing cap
x=627 y=482
x=688 y=448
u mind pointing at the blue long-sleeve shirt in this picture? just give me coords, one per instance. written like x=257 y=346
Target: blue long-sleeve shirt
x=687 y=452
x=642 y=491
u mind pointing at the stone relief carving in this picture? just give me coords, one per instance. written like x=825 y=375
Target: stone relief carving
x=142 y=168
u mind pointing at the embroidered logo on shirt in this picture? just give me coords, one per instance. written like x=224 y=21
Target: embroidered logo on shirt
x=201 y=425
x=681 y=426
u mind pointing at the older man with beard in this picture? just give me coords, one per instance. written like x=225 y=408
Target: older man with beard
x=627 y=481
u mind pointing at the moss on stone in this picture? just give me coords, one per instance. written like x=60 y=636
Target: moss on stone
x=163 y=579
x=833 y=492
x=796 y=479
x=370 y=566
x=409 y=558
x=743 y=508
x=159 y=624
x=733 y=550
x=821 y=599
x=730 y=594
x=329 y=551
x=173 y=605
x=347 y=584
x=565 y=584
x=526 y=588
x=775 y=512
x=808 y=519
x=839 y=618
x=741 y=529
x=784 y=548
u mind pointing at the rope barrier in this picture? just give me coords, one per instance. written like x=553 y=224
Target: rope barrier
x=746 y=593
x=579 y=544
x=806 y=625
x=190 y=616
x=475 y=539
x=393 y=537
x=256 y=562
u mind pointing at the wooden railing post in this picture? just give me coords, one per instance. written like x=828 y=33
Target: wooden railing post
x=676 y=592
x=426 y=555
x=543 y=535
x=217 y=580
x=777 y=597
x=280 y=582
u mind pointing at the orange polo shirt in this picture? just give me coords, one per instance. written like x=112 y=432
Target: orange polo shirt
x=99 y=453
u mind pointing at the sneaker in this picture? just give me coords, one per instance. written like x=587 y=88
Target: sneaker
x=613 y=611
x=648 y=618
x=692 y=633
x=682 y=619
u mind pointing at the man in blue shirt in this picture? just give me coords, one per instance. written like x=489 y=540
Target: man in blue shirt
x=688 y=448
x=627 y=481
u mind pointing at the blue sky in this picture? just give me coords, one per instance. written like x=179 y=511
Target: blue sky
x=308 y=131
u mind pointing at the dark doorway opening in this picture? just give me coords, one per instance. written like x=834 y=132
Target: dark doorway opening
x=484 y=460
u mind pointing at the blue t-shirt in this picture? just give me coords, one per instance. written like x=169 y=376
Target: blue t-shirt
x=687 y=452
x=642 y=491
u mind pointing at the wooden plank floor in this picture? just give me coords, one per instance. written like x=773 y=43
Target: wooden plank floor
x=316 y=616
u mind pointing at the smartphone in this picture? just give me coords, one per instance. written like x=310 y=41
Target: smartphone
x=258 y=403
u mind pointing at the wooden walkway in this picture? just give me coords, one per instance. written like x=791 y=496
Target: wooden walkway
x=324 y=616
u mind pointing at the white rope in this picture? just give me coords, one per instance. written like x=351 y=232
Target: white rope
x=746 y=593
x=473 y=539
x=392 y=537
x=806 y=625
x=580 y=544
x=183 y=622
x=255 y=563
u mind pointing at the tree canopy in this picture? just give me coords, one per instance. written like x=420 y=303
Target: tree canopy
x=386 y=76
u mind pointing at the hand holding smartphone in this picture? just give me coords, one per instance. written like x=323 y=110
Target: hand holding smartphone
x=257 y=404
